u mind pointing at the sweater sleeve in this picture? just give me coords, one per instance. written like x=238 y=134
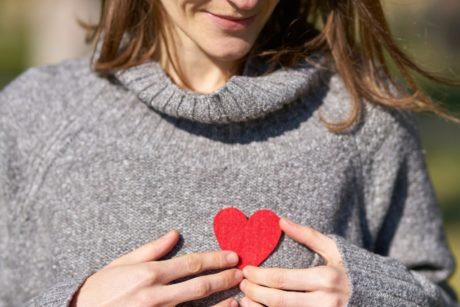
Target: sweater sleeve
x=15 y=154
x=408 y=260
x=60 y=295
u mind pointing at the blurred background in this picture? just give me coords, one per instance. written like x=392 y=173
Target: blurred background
x=42 y=32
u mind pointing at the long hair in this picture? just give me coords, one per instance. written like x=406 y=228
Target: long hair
x=354 y=33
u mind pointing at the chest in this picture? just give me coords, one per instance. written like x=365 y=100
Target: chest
x=101 y=196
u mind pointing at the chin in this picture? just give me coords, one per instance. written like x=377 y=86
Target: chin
x=228 y=49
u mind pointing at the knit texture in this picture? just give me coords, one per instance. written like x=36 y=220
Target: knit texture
x=91 y=168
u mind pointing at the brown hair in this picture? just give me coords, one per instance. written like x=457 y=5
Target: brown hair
x=354 y=33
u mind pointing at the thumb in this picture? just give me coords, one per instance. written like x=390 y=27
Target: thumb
x=148 y=252
x=311 y=238
x=227 y=303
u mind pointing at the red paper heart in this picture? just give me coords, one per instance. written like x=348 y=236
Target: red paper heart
x=253 y=239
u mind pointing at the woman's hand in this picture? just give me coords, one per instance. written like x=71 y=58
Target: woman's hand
x=138 y=279
x=325 y=285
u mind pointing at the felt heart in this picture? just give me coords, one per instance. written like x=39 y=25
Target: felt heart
x=253 y=239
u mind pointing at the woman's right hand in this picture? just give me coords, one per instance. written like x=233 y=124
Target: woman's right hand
x=139 y=279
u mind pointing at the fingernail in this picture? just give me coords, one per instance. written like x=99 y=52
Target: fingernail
x=246 y=270
x=232 y=257
x=171 y=232
x=288 y=221
x=233 y=303
x=238 y=275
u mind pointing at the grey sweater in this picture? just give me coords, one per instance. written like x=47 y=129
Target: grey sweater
x=91 y=168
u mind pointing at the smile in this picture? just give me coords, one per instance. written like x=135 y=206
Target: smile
x=231 y=23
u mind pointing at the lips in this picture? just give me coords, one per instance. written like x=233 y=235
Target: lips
x=231 y=23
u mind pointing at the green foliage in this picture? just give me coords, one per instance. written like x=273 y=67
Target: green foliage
x=442 y=146
x=14 y=49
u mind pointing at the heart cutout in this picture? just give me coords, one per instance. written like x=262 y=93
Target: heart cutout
x=253 y=239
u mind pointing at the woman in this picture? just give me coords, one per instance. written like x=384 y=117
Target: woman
x=194 y=106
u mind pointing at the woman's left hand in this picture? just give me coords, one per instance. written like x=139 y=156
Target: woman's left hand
x=325 y=285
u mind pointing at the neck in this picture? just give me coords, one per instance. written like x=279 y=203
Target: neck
x=194 y=69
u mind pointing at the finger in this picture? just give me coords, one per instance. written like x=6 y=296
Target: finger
x=270 y=296
x=311 y=279
x=230 y=302
x=322 y=298
x=247 y=302
x=313 y=239
x=150 y=251
x=309 y=299
x=192 y=264
x=201 y=287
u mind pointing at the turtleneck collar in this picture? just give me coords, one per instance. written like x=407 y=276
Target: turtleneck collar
x=244 y=97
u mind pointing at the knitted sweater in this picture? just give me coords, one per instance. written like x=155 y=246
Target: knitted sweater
x=91 y=168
